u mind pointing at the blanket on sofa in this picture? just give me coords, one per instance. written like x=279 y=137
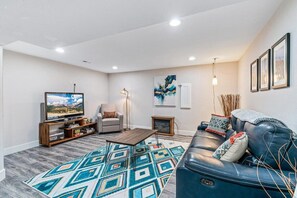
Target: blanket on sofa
x=254 y=117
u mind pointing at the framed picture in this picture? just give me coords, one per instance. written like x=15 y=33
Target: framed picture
x=264 y=71
x=254 y=76
x=281 y=63
x=165 y=90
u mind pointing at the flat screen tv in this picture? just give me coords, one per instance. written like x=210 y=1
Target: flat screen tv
x=60 y=105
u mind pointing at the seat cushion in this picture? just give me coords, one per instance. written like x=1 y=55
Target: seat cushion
x=110 y=121
x=111 y=128
x=206 y=143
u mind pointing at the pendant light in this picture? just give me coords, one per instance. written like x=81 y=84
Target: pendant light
x=214 y=79
x=214 y=83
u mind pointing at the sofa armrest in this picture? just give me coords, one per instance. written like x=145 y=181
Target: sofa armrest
x=99 y=122
x=232 y=172
x=203 y=125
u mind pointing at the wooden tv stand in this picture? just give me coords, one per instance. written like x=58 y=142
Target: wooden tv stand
x=47 y=129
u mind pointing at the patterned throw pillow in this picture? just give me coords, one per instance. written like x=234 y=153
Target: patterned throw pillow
x=233 y=148
x=218 y=124
x=109 y=114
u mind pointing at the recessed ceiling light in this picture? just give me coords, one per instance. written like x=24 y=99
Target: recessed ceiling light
x=114 y=67
x=192 y=58
x=85 y=61
x=174 y=22
x=60 y=50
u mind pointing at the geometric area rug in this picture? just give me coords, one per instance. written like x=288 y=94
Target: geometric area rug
x=89 y=176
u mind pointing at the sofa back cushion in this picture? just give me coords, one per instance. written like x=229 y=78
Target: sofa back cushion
x=266 y=139
x=237 y=124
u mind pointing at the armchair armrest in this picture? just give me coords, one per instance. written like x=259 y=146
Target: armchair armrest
x=99 y=115
x=232 y=172
x=121 y=117
x=99 y=122
x=119 y=114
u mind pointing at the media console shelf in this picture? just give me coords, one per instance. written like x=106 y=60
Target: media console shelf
x=52 y=133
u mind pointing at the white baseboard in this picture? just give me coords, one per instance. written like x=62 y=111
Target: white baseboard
x=2 y=174
x=185 y=132
x=21 y=147
x=139 y=126
x=179 y=132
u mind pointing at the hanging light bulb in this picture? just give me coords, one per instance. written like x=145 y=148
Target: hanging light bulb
x=214 y=81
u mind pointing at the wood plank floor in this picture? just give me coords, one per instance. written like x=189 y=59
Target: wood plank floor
x=26 y=164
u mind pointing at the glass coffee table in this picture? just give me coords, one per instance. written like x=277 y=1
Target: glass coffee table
x=130 y=138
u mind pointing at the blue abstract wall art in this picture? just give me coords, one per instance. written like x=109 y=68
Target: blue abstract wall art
x=165 y=90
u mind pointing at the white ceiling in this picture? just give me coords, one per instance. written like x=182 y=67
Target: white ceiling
x=133 y=34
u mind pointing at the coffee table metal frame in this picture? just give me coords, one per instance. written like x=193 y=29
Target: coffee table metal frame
x=123 y=142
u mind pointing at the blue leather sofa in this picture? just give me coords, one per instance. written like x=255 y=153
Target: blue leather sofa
x=200 y=175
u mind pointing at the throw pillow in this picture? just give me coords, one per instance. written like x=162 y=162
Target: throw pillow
x=218 y=124
x=233 y=148
x=109 y=114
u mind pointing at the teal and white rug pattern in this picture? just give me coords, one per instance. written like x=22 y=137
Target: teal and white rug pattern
x=90 y=176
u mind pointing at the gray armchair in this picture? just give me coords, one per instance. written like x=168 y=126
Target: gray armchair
x=109 y=124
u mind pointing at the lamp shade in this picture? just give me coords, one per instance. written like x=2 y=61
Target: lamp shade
x=214 y=81
x=124 y=92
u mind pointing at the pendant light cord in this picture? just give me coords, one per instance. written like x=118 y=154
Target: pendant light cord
x=213 y=86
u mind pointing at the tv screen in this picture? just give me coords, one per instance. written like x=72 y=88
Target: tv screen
x=63 y=105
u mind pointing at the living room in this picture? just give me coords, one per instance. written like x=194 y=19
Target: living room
x=101 y=48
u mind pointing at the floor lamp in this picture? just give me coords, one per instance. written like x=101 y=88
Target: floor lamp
x=125 y=92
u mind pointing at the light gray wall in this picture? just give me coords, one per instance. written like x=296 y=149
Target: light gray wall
x=140 y=84
x=279 y=103
x=26 y=78
x=2 y=171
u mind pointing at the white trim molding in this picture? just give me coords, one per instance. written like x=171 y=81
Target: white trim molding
x=21 y=147
x=185 y=132
x=2 y=174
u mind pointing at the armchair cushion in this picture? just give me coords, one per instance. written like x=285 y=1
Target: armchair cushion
x=108 y=108
x=110 y=121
